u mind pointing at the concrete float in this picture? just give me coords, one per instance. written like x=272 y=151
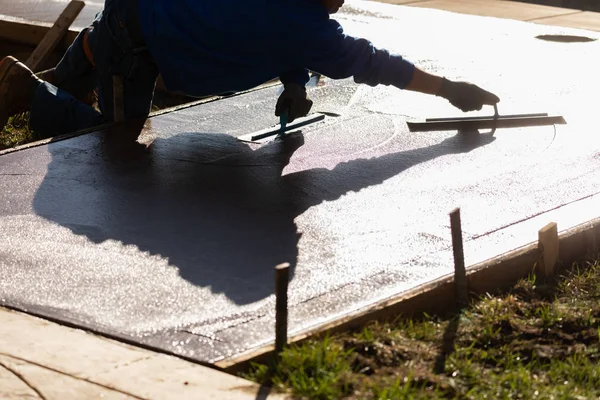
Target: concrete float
x=169 y=240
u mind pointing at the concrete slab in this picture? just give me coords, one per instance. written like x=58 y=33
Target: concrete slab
x=402 y=2
x=170 y=241
x=49 y=11
x=521 y=11
x=583 y=20
x=495 y=8
x=43 y=360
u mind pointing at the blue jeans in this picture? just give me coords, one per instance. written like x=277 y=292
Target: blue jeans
x=114 y=52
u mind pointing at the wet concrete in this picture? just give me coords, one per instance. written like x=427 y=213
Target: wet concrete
x=170 y=238
x=49 y=10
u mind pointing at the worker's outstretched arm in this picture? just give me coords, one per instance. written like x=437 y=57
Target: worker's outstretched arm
x=331 y=52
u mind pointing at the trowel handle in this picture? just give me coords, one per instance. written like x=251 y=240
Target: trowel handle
x=283 y=120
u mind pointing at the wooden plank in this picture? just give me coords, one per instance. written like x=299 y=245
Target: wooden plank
x=30 y=33
x=66 y=363
x=54 y=35
x=548 y=247
x=48 y=10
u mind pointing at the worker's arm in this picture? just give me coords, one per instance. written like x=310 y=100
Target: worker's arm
x=462 y=95
x=337 y=55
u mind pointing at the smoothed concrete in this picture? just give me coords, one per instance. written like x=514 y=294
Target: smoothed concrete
x=171 y=241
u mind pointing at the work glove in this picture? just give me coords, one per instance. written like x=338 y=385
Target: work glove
x=466 y=96
x=295 y=101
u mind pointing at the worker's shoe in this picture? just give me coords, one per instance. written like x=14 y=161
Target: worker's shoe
x=17 y=85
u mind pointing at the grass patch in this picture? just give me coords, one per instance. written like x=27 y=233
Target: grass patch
x=16 y=132
x=538 y=341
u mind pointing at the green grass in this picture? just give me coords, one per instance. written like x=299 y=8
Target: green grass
x=538 y=341
x=16 y=132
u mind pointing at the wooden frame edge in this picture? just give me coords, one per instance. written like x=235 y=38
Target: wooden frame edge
x=30 y=33
x=438 y=297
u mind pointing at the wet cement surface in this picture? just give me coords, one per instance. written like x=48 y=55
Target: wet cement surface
x=170 y=238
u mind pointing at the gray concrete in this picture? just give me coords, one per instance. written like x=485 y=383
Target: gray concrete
x=170 y=240
x=49 y=10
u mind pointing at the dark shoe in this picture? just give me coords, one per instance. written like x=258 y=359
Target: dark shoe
x=17 y=84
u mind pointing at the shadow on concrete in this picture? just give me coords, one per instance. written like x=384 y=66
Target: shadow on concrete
x=217 y=209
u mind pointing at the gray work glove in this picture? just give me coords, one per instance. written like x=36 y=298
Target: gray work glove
x=295 y=100
x=466 y=96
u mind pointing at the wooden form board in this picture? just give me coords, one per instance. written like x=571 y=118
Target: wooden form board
x=54 y=35
x=31 y=33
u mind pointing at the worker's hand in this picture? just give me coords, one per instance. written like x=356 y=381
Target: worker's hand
x=295 y=100
x=466 y=96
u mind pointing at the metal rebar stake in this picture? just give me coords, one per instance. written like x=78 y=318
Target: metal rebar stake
x=281 y=306
x=460 y=273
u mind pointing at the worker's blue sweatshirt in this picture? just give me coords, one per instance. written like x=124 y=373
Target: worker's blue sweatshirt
x=205 y=47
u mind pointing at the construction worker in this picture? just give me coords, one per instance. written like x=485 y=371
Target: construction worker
x=207 y=47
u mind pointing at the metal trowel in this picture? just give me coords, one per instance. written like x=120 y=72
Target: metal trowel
x=284 y=125
x=493 y=122
x=281 y=129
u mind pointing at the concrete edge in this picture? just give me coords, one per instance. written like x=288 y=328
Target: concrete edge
x=110 y=125
x=438 y=297
x=59 y=138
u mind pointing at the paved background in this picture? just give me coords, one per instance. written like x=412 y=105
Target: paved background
x=48 y=11
x=45 y=361
x=171 y=240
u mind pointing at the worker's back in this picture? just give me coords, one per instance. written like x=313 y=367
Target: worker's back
x=213 y=46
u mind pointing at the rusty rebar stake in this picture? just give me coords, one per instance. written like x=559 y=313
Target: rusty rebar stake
x=460 y=272
x=282 y=275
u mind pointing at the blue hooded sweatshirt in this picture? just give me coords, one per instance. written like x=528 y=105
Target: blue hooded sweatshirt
x=208 y=47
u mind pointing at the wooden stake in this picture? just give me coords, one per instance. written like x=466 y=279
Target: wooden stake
x=282 y=275
x=460 y=272
x=54 y=35
x=548 y=247
x=118 y=99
